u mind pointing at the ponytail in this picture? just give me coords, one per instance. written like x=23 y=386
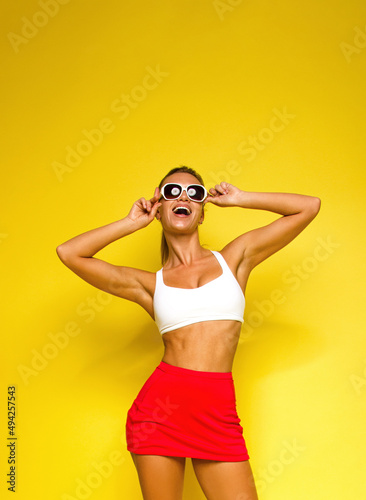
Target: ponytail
x=164 y=249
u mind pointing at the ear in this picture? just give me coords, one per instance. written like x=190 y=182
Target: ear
x=158 y=216
x=202 y=216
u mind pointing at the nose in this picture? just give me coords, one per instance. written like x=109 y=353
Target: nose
x=183 y=196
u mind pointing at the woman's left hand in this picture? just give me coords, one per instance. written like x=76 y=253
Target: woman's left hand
x=224 y=195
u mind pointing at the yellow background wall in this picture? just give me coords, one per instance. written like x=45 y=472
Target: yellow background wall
x=197 y=83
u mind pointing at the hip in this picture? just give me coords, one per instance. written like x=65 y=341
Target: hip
x=171 y=385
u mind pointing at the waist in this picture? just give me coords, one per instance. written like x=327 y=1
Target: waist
x=187 y=372
x=208 y=346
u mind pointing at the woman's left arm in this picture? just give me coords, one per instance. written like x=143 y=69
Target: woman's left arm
x=297 y=212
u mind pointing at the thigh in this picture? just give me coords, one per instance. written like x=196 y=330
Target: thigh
x=225 y=480
x=160 y=477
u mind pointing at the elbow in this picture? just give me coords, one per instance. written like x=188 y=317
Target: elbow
x=314 y=206
x=317 y=204
x=61 y=253
x=66 y=256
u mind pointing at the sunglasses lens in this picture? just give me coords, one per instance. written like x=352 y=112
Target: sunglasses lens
x=196 y=192
x=172 y=191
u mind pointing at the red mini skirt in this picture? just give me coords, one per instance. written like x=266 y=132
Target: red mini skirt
x=186 y=413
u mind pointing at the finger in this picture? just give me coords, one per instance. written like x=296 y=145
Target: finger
x=156 y=195
x=139 y=204
x=155 y=209
x=212 y=199
x=220 y=189
x=213 y=192
x=225 y=186
x=148 y=206
x=143 y=203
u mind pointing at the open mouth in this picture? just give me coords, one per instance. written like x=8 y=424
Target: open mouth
x=181 y=210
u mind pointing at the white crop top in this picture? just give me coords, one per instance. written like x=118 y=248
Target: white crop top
x=221 y=298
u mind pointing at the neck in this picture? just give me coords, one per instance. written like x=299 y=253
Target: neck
x=183 y=249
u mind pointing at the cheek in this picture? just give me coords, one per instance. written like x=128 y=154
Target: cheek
x=163 y=211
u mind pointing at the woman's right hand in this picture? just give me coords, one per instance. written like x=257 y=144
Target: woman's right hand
x=143 y=211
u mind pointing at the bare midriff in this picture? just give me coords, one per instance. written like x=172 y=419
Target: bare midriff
x=208 y=346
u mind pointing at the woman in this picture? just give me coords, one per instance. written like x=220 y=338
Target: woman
x=187 y=406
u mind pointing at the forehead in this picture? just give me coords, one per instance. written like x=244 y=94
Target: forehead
x=182 y=178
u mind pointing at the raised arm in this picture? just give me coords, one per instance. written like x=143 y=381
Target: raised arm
x=126 y=282
x=253 y=247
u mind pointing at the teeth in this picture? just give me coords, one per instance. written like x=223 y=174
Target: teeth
x=182 y=209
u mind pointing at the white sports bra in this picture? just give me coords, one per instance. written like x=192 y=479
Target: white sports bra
x=221 y=298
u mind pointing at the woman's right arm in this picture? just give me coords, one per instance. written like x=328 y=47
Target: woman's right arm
x=126 y=282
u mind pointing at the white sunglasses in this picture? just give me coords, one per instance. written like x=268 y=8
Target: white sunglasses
x=172 y=191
